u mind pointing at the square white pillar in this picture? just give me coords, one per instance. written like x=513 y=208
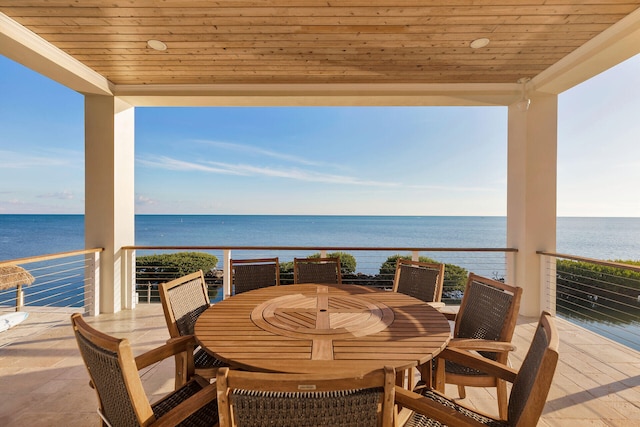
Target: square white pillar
x=109 y=193
x=531 y=194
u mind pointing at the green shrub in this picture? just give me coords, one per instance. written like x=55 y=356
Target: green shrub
x=163 y=267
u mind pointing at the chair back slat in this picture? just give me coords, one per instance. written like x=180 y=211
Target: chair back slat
x=419 y=279
x=255 y=399
x=485 y=312
x=489 y=311
x=317 y=270
x=531 y=386
x=183 y=300
x=250 y=274
x=307 y=409
x=107 y=378
x=114 y=375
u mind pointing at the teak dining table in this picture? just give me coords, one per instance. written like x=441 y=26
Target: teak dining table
x=316 y=328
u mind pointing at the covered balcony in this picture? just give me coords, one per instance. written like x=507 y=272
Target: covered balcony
x=312 y=54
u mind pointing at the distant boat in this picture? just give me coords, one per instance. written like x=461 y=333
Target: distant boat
x=10 y=320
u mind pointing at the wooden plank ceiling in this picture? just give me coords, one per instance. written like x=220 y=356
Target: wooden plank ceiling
x=317 y=41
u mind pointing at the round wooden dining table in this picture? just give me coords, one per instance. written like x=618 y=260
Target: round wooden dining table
x=316 y=328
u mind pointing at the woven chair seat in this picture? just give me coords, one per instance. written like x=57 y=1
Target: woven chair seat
x=203 y=360
x=330 y=408
x=203 y=417
x=420 y=420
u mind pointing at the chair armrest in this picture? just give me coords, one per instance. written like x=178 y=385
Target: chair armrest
x=476 y=361
x=448 y=314
x=189 y=406
x=480 y=345
x=431 y=409
x=172 y=347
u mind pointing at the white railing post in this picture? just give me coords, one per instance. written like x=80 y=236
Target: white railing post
x=323 y=253
x=415 y=255
x=129 y=259
x=548 y=285
x=226 y=273
x=92 y=285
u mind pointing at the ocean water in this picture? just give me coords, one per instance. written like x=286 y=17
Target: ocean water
x=602 y=238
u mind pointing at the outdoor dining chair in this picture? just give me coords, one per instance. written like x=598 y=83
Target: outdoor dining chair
x=122 y=400
x=422 y=280
x=305 y=400
x=484 y=323
x=529 y=390
x=317 y=270
x=249 y=274
x=183 y=301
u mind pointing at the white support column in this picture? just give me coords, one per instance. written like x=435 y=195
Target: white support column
x=531 y=194
x=109 y=193
x=226 y=273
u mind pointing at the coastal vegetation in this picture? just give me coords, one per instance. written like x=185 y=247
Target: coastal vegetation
x=158 y=268
x=589 y=284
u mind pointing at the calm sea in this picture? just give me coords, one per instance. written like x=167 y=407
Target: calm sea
x=603 y=238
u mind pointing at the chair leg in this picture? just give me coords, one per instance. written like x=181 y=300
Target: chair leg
x=501 y=391
x=439 y=376
x=461 y=392
x=426 y=374
x=181 y=370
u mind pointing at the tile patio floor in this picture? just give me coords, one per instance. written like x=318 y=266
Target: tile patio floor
x=44 y=383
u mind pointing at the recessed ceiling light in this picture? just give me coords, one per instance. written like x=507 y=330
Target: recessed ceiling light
x=478 y=43
x=156 y=44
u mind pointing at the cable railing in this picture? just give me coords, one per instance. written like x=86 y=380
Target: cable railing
x=602 y=296
x=372 y=265
x=57 y=282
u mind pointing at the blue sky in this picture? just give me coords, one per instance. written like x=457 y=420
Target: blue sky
x=368 y=161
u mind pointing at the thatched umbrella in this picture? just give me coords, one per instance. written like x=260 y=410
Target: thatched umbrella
x=15 y=276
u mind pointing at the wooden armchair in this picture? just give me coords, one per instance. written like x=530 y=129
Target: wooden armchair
x=122 y=400
x=531 y=384
x=249 y=398
x=420 y=280
x=183 y=300
x=317 y=270
x=249 y=274
x=484 y=323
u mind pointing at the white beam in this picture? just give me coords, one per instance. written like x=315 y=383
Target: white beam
x=32 y=51
x=295 y=95
x=616 y=44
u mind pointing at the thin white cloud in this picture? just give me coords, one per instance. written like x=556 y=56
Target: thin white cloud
x=145 y=201
x=61 y=195
x=18 y=160
x=243 y=148
x=168 y=163
x=454 y=188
